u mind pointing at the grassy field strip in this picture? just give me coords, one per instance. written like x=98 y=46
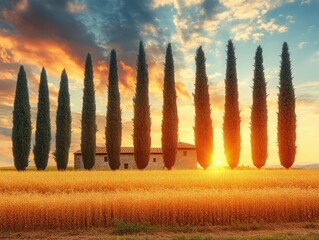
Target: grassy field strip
x=134 y=231
x=20 y=210
x=83 y=181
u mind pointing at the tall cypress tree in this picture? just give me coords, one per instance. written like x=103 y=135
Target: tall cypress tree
x=259 y=117
x=142 y=117
x=231 y=126
x=113 y=134
x=286 y=114
x=203 y=121
x=88 y=136
x=41 y=149
x=170 y=115
x=63 y=124
x=21 y=131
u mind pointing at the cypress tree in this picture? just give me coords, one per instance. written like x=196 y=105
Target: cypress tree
x=63 y=124
x=21 y=131
x=286 y=113
x=142 y=117
x=231 y=126
x=41 y=149
x=170 y=115
x=113 y=134
x=203 y=121
x=259 y=136
x=88 y=135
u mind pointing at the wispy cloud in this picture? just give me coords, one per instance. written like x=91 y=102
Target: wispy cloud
x=315 y=57
x=304 y=2
x=290 y=19
x=301 y=45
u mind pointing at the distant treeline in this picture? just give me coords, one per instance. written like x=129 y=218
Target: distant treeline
x=203 y=130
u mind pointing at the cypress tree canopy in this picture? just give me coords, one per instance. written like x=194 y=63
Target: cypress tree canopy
x=142 y=117
x=63 y=124
x=231 y=126
x=286 y=114
x=170 y=115
x=43 y=126
x=259 y=117
x=113 y=117
x=203 y=121
x=88 y=136
x=21 y=131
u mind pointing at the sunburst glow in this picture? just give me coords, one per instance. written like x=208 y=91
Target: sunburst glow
x=218 y=162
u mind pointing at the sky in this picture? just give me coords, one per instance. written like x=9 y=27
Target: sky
x=59 y=34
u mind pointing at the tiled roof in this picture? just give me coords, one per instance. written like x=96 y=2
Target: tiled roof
x=182 y=145
x=130 y=150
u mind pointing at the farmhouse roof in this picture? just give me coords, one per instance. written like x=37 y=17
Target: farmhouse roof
x=130 y=150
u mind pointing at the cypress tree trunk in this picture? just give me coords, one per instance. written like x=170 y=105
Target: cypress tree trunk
x=170 y=115
x=259 y=136
x=63 y=124
x=231 y=125
x=88 y=136
x=203 y=121
x=142 y=118
x=113 y=134
x=41 y=149
x=21 y=131
x=286 y=113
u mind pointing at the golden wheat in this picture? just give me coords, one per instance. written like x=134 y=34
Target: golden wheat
x=106 y=181
x=40 y=200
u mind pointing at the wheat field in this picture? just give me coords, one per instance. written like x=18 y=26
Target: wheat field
x=81 y=199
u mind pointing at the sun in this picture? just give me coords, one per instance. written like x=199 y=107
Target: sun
x=218 y=162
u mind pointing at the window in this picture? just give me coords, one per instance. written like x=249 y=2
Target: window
x=125 y=165
x=105 y=159
x=154 y=159
x=184 y=153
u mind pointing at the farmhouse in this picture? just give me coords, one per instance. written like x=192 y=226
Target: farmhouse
x=185 y=158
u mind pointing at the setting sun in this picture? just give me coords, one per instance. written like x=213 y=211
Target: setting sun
x=217 y=162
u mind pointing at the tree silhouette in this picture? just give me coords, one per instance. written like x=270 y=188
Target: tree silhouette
x=63 y=124
x=88 y=136
x=113 y=134
x=21 y=131
x=170 y=114
x=231 y=125
x=286 y=113
x=142 y=118
x=41 y=149
x=259 y=117
x=203 y=121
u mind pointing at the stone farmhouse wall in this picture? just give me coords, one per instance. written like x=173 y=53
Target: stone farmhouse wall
x=185 y=159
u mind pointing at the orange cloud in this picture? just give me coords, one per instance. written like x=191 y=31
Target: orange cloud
x=75 y=7
x=100 y=76
x=181 y=90
x=127 y=80
x=40 y=53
